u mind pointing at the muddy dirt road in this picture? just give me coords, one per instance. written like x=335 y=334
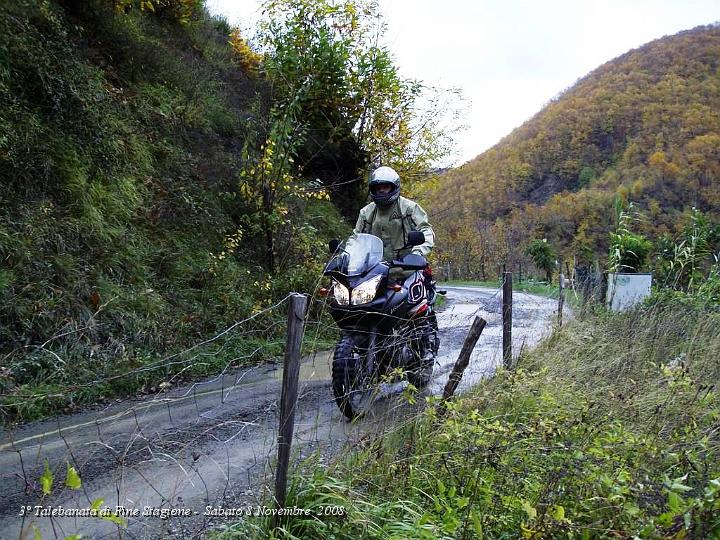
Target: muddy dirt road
x=211 y=444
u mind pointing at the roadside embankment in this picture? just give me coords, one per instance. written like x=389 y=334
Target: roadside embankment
x=610 y=428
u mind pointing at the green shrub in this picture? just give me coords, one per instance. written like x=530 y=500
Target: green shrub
x=628 y=252
x=687 y=261
x=543 y=256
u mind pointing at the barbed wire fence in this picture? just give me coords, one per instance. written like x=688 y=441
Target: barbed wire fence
x=179 y=461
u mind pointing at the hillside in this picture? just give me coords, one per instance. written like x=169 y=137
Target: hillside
x=644 y=126
x=163 y=180
x=122 y=135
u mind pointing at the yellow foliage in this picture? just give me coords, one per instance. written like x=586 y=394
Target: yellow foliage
x=648 y=129
x=658 y=160
x=180 y=10
x=231 y=243
x=637 y=188
x=249 y=60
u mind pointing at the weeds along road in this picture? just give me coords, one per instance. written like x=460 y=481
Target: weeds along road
x=212 y=443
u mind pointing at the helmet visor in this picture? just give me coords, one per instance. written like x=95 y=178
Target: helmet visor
x=382 y=188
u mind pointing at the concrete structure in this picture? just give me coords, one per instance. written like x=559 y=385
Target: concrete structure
x=625 y=291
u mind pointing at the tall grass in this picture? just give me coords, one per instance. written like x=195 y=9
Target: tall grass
x=611 y=428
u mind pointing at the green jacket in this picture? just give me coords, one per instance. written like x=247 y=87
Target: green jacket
x=393 y=224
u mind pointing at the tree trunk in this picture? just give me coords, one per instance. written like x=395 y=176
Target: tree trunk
x=267 y=227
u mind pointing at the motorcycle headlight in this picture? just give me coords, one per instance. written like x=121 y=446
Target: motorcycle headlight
x=365 y=292
x=341 y=294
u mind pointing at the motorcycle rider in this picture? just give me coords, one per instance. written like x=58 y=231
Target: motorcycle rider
x=391 y=217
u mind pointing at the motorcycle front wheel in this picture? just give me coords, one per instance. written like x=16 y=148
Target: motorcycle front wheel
x=353 y=381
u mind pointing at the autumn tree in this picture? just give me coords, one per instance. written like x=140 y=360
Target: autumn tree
x=644 y=126
x=335 y=104
x=543 y=256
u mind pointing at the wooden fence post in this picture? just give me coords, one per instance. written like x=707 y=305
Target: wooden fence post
x=476 y=329
x=507 y=319
x=288 y=399
x=561 y=299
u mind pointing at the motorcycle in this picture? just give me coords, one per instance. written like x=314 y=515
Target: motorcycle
x=386 y=324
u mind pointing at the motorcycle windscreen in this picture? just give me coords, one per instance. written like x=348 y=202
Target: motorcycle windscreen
x=363 y=251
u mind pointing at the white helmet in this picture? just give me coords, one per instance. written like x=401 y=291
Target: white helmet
x=385 y=175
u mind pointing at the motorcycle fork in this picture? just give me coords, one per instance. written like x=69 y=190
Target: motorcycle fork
x=370 y=357
x=421 y=332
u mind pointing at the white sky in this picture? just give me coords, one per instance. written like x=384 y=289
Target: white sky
x=510 y=57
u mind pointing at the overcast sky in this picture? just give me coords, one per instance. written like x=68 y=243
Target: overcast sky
x=510 y=57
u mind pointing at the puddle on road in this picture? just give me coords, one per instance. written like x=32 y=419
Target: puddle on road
x=315 y=367
x=532 y=316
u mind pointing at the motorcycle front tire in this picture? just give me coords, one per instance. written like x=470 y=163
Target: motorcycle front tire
x=353 y=385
